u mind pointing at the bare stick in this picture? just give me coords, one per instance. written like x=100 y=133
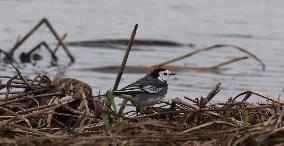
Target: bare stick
x=34 y=131
x=258 y=93
x=43 y=43
x=123 y=66
x=23 y=39
x=20 y=75
x=210 y=48
x=228 y=62
x=23 y=97
x=7 y=55
x=58 y=44
x=26 y=57
x=125 y=58
x=26 y=36
x=196 y=127
x=211 y=95
x=72 y=59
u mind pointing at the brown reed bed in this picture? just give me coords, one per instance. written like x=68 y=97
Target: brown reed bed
x=63 y=111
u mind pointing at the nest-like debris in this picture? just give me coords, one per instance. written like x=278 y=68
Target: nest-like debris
x=64 y=112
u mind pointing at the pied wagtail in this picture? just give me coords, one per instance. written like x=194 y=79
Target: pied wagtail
x=148 y=90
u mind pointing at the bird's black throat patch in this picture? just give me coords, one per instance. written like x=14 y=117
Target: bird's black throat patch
x=155 y=72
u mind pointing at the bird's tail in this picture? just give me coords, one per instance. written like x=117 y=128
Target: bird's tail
x=119 y=92
x=116 y=93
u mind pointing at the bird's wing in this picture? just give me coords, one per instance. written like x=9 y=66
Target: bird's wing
x=130 y=89
x=133 y=87
x=152 y=89
x=137 y=88
x=144 y=85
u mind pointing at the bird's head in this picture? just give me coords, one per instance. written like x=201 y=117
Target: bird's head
x=161 y=74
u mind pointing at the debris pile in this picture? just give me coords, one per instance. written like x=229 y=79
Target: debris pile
x=63 y=111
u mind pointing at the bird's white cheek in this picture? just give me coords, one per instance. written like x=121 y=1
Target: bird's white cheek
x=164 y=78
x=161 y=78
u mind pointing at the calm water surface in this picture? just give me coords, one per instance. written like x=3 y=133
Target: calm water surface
x=257 y=25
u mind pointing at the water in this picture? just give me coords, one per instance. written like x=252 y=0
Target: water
x=253 y=24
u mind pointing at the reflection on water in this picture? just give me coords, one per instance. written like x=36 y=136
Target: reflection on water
x=255 y=25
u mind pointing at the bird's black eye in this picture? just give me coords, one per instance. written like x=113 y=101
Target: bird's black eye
x=165 y=73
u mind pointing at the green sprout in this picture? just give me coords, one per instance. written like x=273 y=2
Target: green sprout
x=261 y=138
x=110 y=99
x=106 y=121
x=245 y=117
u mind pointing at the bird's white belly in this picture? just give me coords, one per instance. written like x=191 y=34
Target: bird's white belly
x=143 y=100
x=152 y=101
x=147 y=102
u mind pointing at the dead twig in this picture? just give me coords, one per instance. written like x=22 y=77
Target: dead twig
x=26 y=57
x=211 y=94
x=258 y=93
x=210 y=48
x=229 y=62
x=27 y=35
x=124 y=102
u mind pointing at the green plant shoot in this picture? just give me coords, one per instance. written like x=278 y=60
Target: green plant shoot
x=106 y=121
x=245 y=117
x=110 y=98
x=261 y=138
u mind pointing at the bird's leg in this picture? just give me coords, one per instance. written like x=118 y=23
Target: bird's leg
x=139 y=109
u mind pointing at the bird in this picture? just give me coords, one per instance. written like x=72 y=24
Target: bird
x=148 y=90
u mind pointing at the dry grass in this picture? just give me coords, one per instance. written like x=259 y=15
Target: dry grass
x=64 y=112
